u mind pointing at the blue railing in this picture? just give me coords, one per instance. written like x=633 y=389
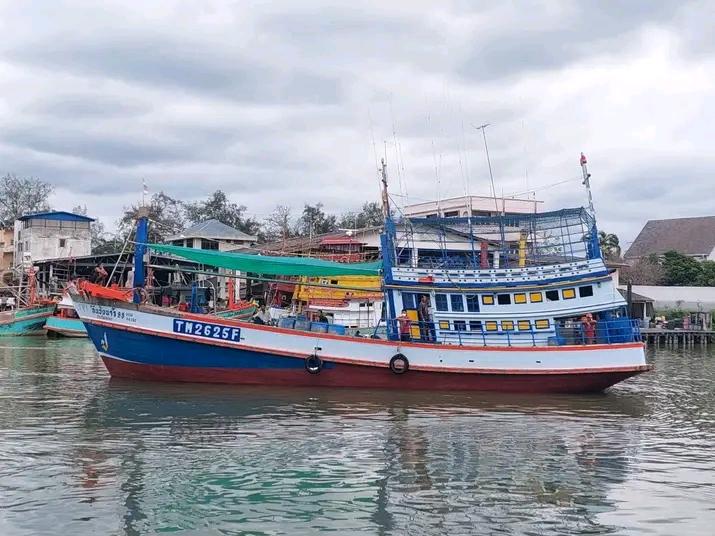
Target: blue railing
x=615 y=331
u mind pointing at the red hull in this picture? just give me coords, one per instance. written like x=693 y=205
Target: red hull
x=372 y=377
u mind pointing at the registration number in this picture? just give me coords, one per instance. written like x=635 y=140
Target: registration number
x=204 y=329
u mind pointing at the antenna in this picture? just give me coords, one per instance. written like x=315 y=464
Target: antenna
x=385 y=198
x=483 y=128
x=587 y=183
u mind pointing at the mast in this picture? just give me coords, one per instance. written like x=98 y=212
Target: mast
x=587 y=183
x=385 y=199
x=142 y=238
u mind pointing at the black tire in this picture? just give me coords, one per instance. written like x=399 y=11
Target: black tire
x=313 y=364
x=399 y=364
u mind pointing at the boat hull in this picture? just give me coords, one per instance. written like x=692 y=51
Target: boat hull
x=56 y=326
x=141 y=345
x=24 y=322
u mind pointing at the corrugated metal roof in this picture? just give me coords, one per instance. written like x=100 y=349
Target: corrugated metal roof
x=213 y=229
x=689 y=236
x=59 y=215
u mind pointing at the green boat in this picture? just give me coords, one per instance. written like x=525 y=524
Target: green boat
x=25 y=321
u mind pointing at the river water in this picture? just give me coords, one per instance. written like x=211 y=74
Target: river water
x=80 y=454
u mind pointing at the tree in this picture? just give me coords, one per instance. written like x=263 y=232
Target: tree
x=681 y=270
x=218 y=207
x=19 y=195
x=99 y=242
x=166 y=216
x=369 y=216
x=279 y=225
x=314 y=221
x=707 y=277
x=644 y=271
x=610 y=245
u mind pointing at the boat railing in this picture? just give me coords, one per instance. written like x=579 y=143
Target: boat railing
x=621 y=330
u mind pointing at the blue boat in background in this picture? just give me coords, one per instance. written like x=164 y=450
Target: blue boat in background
x=65 y=322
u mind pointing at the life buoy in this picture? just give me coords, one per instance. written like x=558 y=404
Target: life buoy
x=313 y=364
x=399 y=364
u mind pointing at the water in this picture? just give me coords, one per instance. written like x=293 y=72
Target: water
x=80 y=454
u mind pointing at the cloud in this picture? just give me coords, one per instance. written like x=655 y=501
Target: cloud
x=295 y=103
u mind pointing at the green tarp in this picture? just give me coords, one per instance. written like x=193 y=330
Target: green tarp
x=268 y=265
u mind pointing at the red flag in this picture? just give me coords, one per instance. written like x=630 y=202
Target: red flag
x=583 y=159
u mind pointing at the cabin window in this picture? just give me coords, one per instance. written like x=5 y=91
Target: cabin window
x=490 y=325
x=475 y=325
x=451 y=214
x=542 y=324
x=444 y=324
x=568 y=293
x=504 y=299
x=552 y=295
x=487 y=299
x=63 y=242
x=457 y=302
x=507 y=325
x=472 y=303
x=585 y=292
x=520 y=298
x=333 y=281
x=460 y=325
x=524 y=325
x=440 y=301
x=409 y=300
x=536 y=297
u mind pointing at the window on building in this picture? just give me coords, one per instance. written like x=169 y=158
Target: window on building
x=487 y=299
x=507 y=325
x=457 y=302
x=536 y=297
x=504 y=299
x=460 y=325
x=568 y=293
x=585 y=292
x=209 y=244
x=63 y=242
x=440 y=301
x=552 y=295
x=475 y=325
x=520 y=298
x=473 y=303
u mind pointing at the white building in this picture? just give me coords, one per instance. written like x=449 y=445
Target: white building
x=52 y=235
x=480 y=206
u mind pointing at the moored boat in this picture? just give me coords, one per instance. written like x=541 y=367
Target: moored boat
x=514 y=303
x=25 y=320
x=65 y=321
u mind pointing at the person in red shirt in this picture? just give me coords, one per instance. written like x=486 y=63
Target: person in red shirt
x=589 y=328
x=183 y=306
x=405 y=325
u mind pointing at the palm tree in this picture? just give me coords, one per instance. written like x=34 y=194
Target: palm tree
x=610 y=245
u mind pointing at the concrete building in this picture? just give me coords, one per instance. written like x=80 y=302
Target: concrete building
x=7 y=248
x=480 y=206
x=212 y=234
x=694 y=237
x=51 y=235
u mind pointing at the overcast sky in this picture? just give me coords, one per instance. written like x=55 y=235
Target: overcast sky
x=279 y=103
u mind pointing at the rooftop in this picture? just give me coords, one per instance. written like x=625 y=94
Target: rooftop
x=58 y=215
x=214 y=230
x=689 y=236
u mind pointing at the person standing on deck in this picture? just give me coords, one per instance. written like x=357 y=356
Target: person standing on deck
x=425 y=317
x=405 y=325
x=262 y=316
x=589 y=328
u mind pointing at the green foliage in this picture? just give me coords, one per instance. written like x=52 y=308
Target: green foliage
x=681 y=270
x=644 y=271
x=314 y=221
x=707 y=277
x=369 y=216
x=19 y=195
x=610 y=245
x=218 y=207
x=165 y=213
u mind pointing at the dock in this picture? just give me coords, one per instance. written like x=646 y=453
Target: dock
x=677 y=337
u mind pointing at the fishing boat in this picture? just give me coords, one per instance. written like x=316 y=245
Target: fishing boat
x=65 y=322
x=25 y=314
x=511 y=303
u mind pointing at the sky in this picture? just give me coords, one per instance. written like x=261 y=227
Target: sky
x=295 y=102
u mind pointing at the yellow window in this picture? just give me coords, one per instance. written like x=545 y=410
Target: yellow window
x=568 y=293
x=542 y=324
x=519 y=298
x=524 y=325
x=490 y=325
x=488 y=299
x=507 y=325
x=443 y=324
x=414 y=327
x=536 y=297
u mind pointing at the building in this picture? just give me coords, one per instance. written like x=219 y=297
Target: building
x=212 y=234
x=480 y=206
x=694 y=237
x=698 y=303
x=7 y=248
x=51 y=235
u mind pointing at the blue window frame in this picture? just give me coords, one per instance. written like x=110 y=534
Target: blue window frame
x=473 y=303
x=457 y=302
x=409 y=300
x=440 y=302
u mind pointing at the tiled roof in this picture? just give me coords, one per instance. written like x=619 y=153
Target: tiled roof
x=213 y=229
x=689 y=236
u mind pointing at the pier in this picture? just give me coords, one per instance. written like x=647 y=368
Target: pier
x=678 y=337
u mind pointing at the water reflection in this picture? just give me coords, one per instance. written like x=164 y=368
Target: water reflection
x=122 y=457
